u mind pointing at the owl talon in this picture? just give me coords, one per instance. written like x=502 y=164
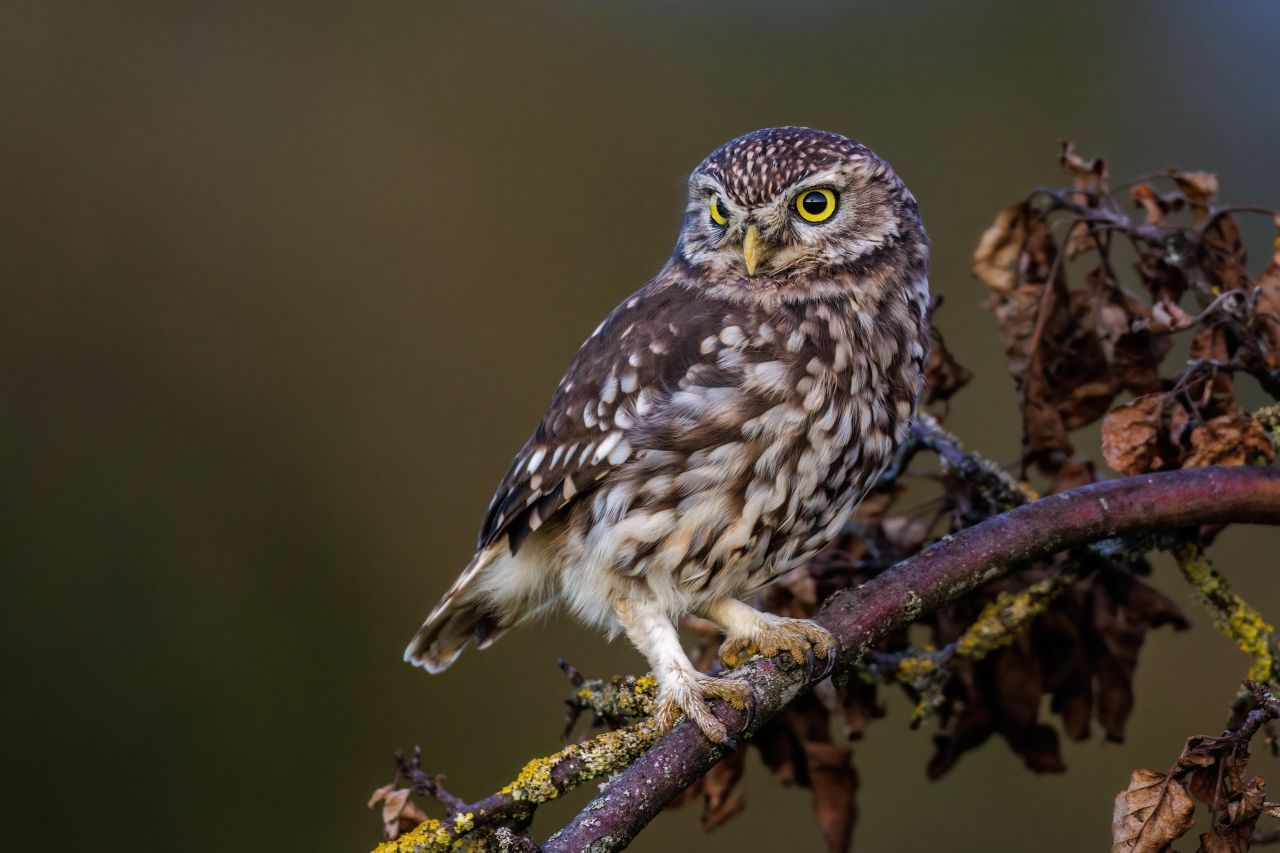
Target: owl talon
x=804 y=640
x=833 y=654
x=735 y=651
x=688 y=698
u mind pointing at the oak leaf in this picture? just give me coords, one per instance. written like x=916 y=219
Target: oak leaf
x=1153 y=812
x=399 y=812
x=1229 y=440
x=996 y=257
x=1143 y=435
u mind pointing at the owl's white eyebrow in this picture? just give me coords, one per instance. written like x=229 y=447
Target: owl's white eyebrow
x=829 y=178
x=705 y=183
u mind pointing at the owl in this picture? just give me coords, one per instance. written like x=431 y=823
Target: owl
x=720 y=425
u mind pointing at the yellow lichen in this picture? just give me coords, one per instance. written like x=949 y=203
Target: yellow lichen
x=430 y=836
x=619 y=698
x=1001 y=620
x=604 y=753
x=1232 y=615
x=996 y=626
x=533 y=783
x=914 y=667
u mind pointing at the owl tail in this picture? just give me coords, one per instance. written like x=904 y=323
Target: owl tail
x=460 y=616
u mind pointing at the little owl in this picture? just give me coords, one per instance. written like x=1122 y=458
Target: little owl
x=717 y=429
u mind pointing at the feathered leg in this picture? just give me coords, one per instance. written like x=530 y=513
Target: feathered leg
x=681 y=688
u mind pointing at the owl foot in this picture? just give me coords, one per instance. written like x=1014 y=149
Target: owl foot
x=805 y=640
x=688 y=695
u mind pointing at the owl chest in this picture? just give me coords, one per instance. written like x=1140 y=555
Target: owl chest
x=816 y=461
x=844 y=428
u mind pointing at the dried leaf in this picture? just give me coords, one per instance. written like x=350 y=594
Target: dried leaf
x=1143 y=435
x=1229 y=440
x=1072 y=473
x=858 y=706
x=1215 y=394
x=1168 y=317
x=1153 y=812
x=399 y=812
x=996 y=257
x=1000 y=694
x=1199 y=188
x=943 y=375
x=1088 y=174
x=1234 y=829
x=1267 y=310
x=1123 y=609
x=1123 y=324
x=1223 y=256
x=834 y=783
x=1155 y=205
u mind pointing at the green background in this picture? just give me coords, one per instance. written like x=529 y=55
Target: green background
x=285 y=285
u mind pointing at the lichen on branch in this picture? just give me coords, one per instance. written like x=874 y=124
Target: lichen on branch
x=1232 y=615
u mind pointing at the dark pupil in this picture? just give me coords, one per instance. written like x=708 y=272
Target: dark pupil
x=814 y=203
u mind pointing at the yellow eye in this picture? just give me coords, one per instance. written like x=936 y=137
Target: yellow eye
x=816 y=205
x=718 y=216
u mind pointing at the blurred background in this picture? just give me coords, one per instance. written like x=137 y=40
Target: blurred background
x=285 y=285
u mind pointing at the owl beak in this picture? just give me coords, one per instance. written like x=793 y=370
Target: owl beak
x=752 y=253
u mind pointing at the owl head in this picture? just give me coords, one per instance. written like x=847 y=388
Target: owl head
x=797 y=213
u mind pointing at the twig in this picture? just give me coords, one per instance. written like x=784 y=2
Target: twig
x=541 y=780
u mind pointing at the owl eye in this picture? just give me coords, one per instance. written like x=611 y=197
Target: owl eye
x=816 y=205
x=718 y=216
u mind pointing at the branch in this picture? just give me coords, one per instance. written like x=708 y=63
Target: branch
x=936 y=576
x=541 y=780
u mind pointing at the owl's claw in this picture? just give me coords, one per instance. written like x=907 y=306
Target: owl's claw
x=688 y=698
x=803 y=639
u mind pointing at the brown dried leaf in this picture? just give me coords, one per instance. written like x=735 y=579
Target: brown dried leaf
x=1000 y=694
x=1216 y=395
x=1149 y=815
x=1223 y=256
x=1143 y=434
x=1081 y=239
x=1123 y=325
x=1058 y=360
x=996 y=257
x=1229 y=440
x=1199 y=188
x=1088 y=174
x=399 y=812
x=1233 y=830
x=1214 y=768
x=943 y=375
x=834 y=782
x=1162 y=279
x=1072 y=473
x=1168 y=317
x=858 y=706
x=1268 y=307
x=1122 y=609
x=1155 y=205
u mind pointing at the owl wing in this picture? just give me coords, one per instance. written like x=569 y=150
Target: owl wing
x=622 y=378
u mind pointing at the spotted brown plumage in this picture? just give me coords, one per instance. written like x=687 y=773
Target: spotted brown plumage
x=720 y=425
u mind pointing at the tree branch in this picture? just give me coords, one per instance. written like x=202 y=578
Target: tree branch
x=937 y=575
